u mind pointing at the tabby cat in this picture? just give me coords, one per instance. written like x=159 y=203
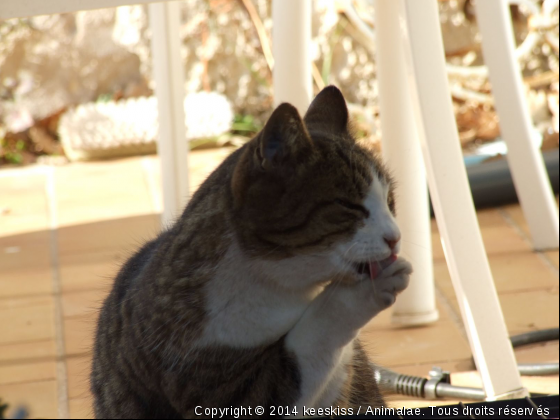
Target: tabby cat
x=256 y=295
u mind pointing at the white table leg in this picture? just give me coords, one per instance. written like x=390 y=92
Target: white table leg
x=169 y=78
x=453 y=204
x=291 y=39
x=401 y=150
x=525 y=160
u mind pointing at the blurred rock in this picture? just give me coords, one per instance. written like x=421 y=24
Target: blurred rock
x=51 y=62
x=127 y=127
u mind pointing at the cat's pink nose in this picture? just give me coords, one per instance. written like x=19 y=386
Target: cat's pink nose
x=392 y=242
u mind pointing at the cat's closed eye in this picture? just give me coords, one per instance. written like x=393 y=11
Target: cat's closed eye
x=352 y=206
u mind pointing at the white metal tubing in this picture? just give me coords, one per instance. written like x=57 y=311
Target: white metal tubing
x=525 y=160
x=23 y=8
x=169 y=78
x=453 y=204
x=291 y=40
x=401 y=150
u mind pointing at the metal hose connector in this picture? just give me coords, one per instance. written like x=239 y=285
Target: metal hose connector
x=439 y=383
x=393 y=382
x=410 y=385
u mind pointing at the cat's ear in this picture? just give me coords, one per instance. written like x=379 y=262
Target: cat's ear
x=328 y=111
x=284 y=137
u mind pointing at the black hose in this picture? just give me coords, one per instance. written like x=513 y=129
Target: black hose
x=535 y=337
x=415 y=386
x=492 y=184
x=532 y=337
x=445 y=390
x=538 y=369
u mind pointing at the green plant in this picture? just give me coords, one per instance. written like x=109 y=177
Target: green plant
x=245 y=125
x=10 y=151
x=14 y=157
x=104 y=98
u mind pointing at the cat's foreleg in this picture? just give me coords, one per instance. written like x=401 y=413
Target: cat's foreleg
x=322 y=340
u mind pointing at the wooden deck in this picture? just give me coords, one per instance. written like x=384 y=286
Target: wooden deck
x=64 y=231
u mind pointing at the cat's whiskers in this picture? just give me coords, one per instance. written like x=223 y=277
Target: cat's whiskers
x=412 y=259
x=337 y=278
x=415 y=244
x=405 y=230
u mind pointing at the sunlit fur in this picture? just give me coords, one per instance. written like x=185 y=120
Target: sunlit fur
x=252 y=297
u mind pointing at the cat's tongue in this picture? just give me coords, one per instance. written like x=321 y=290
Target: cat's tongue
x=376 y=267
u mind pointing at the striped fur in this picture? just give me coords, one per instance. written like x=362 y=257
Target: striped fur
x=253 y=296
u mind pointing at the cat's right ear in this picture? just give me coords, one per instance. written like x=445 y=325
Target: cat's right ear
x=283 y=138
x=328 y=111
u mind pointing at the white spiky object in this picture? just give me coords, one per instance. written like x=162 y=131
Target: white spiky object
x=128 y=127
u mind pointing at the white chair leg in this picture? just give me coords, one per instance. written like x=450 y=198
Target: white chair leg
x=453 y=204
x=525 y=160
x=169 y=78
x=401 y=150
x=291 y=40
x=10 y=9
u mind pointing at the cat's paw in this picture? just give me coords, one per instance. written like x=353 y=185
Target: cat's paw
x=348 y=307
x=392 y=281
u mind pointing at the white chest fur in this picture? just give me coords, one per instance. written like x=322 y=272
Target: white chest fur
x=245 y=310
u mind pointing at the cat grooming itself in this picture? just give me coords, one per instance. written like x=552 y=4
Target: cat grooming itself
x=256 y=295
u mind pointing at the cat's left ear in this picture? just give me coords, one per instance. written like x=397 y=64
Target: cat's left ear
x=283 y=138
x=328 y=111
